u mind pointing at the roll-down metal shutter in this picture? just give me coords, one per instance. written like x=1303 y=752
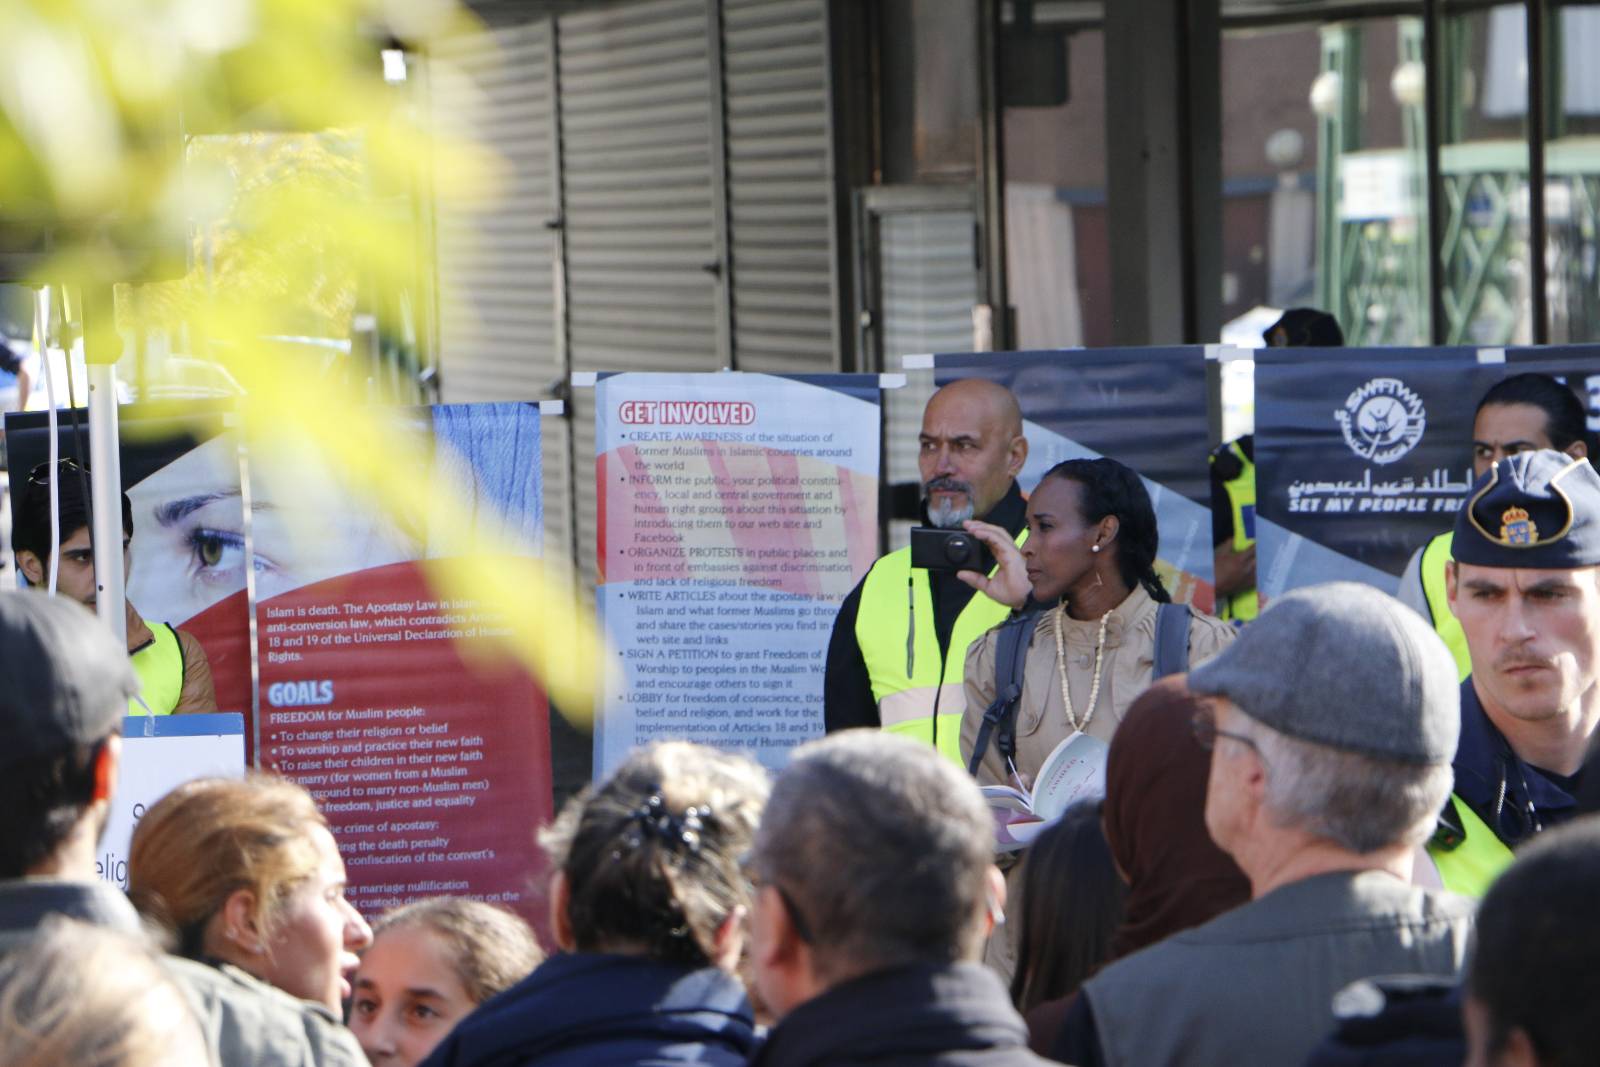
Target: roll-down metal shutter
x=923 y=254
x=636 y=127
x=692 y=184
x=497 y=257
x=780 y=186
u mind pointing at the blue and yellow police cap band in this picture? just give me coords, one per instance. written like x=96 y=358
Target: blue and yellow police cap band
x=1535 y=509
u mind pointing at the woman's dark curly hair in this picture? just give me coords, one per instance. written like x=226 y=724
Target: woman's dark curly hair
x=1111 y=488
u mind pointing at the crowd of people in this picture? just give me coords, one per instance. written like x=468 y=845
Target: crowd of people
x=1329 y=835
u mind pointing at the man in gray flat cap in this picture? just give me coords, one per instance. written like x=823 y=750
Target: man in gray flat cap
x=1332 y=722
x=1524 y=583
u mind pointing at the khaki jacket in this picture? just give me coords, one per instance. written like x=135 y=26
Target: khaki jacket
x=247 y=1022
x=1128 y=670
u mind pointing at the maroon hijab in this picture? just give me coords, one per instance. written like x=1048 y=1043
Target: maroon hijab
x=1155 y=822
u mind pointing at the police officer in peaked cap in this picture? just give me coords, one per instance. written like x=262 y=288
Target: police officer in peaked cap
x=1524 y=582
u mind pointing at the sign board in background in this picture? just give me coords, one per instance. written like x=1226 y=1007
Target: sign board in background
x=1144 y=407
x=1364 y=455
x=160 y=753
x=371 y=690
x=736 y=512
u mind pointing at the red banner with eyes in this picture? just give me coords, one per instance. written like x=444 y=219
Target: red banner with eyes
x=429 y=755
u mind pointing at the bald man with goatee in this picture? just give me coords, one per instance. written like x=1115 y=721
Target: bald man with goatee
x=900 y=641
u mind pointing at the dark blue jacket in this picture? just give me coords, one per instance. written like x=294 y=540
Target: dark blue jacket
x=1513 y=798
x=1401 y=1021
x=586 y=1010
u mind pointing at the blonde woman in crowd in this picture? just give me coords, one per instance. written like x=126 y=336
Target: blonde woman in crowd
x=429 y=965
x=648 y=904
x=244 y=872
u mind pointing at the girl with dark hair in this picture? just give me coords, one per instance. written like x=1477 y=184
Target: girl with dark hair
x=1089 y=560
x=1074 y=904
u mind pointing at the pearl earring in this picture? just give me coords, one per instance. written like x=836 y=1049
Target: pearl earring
x=1094 y=548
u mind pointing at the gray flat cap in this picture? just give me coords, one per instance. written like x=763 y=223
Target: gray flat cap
x=1346 y=666
x=63 y=680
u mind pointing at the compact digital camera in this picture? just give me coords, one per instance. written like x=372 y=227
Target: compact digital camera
x=949 y=550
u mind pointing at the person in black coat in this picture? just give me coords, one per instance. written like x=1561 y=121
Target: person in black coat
x=648 y=907
x=874 y=893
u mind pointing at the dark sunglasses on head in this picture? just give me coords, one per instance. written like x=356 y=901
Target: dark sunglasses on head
x=40 y=475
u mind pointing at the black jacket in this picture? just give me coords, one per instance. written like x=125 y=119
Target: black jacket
x=590 y=1010
x=954 y=1015
x=1401 y=1021
x=846 y=687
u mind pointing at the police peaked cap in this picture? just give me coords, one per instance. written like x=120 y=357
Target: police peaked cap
x=1534 y=509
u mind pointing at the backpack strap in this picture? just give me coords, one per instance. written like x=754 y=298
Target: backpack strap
x=1172 y=640
x=1000 y=717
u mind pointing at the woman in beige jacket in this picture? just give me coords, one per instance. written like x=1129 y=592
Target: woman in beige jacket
x=1090 y=554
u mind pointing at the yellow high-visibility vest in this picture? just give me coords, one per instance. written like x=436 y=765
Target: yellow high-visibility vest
x=159 y=666
x=1241 y=491
x=1434 y=557
x=1472 y=866
x=918 y=692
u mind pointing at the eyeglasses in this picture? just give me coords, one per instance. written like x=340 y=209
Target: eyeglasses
x=802 y=929
x=1204 y=725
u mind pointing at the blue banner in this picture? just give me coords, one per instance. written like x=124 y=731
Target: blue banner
x=1364 y=455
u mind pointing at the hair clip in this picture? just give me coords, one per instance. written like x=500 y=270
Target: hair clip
x=679 y=833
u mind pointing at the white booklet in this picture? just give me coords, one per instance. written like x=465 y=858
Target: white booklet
x=1075 y=770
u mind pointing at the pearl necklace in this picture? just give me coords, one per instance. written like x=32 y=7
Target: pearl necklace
x=1061 y=668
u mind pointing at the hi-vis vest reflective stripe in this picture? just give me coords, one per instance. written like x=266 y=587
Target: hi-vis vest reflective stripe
x=159 y=666
x=1472 y=866
x=1242 y=500
x=901 y=650
x=1434 y=557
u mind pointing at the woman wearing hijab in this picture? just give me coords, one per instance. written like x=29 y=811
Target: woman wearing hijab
x=1155 y=826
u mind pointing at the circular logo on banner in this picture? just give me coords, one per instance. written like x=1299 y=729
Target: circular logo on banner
x=1383 y=420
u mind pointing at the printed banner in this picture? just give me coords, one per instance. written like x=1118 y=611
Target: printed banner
x=1364 y=455
x=160 y=753
x=736 y=512
x=1145 y=407
x=429 y=756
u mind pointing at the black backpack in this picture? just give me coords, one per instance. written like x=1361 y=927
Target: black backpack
x=1010 y=656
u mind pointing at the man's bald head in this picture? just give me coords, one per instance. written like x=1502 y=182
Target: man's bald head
x=979 y=397
x=971 y=449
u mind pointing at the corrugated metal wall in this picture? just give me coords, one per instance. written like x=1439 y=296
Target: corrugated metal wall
x=780 y=184
x=928 y=286
x=498 y=334
x=692 y=177
x=636 y=115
